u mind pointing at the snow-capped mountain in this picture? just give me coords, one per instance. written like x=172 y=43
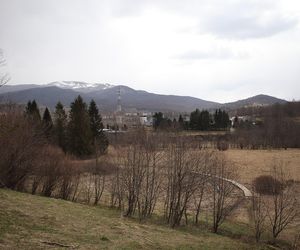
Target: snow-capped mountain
x=106 y=95
x=84 y=87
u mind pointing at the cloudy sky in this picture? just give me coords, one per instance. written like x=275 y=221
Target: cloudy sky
x=220 y=50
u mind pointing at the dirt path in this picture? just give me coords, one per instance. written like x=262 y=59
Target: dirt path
x=246 y=191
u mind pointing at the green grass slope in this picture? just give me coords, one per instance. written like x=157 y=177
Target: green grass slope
x=34 y=222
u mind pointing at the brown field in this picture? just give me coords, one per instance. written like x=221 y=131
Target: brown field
x=252 y=163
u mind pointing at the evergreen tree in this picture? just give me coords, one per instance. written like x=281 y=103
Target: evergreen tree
x=204 y=120
x=180 y=122
x=32 y=111
x=60 y=126
x=79 y=131
x=221 y=119
x=200 y=120
x=194 y=119
x=225 y=119
x=99 y=138
x=47 y=119
x=95 y=119
x=217 y=118
x=158 y=119
x=47 y=123
x=28 y=108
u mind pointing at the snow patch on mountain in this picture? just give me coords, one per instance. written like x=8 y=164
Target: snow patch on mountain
x=81 y=86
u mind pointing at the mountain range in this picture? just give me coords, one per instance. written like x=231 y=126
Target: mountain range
x=106 y=96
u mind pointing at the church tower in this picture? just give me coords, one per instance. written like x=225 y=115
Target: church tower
x=119 y=115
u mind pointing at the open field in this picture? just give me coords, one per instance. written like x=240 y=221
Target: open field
x=252 y=163
x=33 y=222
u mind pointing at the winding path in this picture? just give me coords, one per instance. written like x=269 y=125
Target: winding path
x=246 y=191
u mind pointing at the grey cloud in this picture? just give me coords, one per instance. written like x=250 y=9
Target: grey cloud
x=244 y=27
x=226 y=19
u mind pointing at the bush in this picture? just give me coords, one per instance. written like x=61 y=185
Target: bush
x=20 y=142
x=268 y=185
x=222 y=145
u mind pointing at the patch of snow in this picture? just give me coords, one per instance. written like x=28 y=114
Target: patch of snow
x=76 y=85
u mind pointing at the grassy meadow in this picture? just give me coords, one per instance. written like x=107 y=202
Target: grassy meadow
x=35 y=222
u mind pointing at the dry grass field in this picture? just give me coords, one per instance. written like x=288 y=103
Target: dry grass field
x=34 y=222
x=253 y=163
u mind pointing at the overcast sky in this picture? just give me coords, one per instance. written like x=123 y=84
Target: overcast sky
x=219 y=50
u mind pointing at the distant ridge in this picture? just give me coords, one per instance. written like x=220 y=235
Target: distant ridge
x=258 y=100
x=105 y=96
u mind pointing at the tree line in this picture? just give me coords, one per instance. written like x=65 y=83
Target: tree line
x=273 y=126
x=199 y=120
x=79 y=133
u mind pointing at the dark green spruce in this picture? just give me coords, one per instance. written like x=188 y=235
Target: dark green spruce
x=100 y=141
x=80 y=138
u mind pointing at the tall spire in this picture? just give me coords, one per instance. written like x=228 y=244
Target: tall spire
x=118 y=115
x=119 y=107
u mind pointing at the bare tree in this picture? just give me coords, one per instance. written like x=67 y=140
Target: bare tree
x=259 y=214
x=88 y=187
x=98 y=174
x=4 y=78
x=137 y=180
x=223 y=202
x=70 y=178
x=20 y=144
x=183 y=166
x=132 y=176
x=152 y=179
x=116 y=190
x=284 y=203
x=51 y=169
x=203 y=180
x=99 y=183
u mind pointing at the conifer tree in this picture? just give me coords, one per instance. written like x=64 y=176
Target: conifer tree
x=204 y=120
x=79 y=132
x=218 y=118
x=180 y=122
x=28 y=108
x=32 y=111
x=95 y=119
x=221 y=119
x=60 y=126
x=47 y=123
x=47 y=117
x=158 y=119
x=99 y=139
x=194 y=119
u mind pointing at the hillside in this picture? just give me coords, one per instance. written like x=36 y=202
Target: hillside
x=13 y=88
x=106 y=96
x=258 y=100
x=34 y=222
x=143 y=100
x=46 y=96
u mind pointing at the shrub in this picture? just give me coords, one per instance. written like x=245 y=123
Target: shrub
x=222 y=145
x=268 y=185
x=20 y=142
